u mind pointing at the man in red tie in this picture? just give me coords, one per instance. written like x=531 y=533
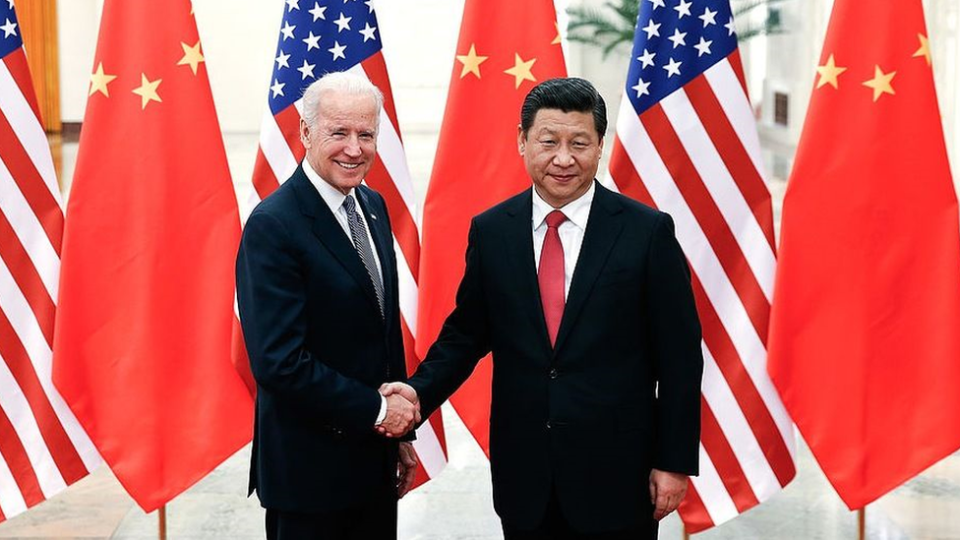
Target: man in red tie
x=584 y=298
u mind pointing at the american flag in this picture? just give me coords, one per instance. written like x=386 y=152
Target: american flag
x=687 y=144
x=317 y=37
x=43 y=449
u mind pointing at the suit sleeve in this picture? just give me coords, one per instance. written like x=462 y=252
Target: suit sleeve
x=675 y=336
x=464 y=338
x=272 y=300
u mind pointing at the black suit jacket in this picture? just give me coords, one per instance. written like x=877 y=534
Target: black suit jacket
x=584 y=418
x=318 y=349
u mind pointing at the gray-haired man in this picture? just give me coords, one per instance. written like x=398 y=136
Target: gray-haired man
x=317 y=291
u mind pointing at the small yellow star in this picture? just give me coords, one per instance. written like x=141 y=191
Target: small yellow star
x=148 y=91
x=471 y=62
x=881 y=83
x=829 y=73
x=99 y=81
x=924 y=49
x=191 y=56
x=556 y=40
x=521 y=70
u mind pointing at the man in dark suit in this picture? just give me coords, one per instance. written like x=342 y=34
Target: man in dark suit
x=584 y=298
x=317 y=292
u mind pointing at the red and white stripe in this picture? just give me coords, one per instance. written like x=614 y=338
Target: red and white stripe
x=280 y=152
x=696 y=156
x=43 y=448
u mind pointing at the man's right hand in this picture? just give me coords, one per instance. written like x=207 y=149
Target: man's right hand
x=403 y=389
x=401 y=417
x=398 y=392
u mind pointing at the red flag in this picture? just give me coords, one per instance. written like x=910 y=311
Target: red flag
x=477 y=162
x=142 y=351
x=864 y=345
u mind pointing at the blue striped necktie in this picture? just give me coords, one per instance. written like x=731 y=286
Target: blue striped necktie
x=358 y=231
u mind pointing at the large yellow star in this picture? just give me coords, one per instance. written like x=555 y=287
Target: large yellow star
x=521 y=70
x=191 y=56
x=471 y=62
x=99 y=81
x=556 y=40
x=829 y=73
x=924 y=49
x=148 y=91
x=881 y=83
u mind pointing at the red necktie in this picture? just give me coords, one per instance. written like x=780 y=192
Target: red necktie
x=550 y=275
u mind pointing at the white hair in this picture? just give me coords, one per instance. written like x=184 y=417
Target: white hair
x=340 y=82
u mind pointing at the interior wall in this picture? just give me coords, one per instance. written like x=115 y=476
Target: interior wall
x=77 y=23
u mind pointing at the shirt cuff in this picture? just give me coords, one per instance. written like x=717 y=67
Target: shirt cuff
x=383 y=411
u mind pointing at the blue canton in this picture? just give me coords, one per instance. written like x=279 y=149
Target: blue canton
x=9 y=29
x=317 y=37
x=676 y=41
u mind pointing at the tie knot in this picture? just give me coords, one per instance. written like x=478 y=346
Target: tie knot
x=555 y=218
x=349 y=204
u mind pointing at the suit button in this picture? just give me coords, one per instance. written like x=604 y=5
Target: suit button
x=549 y=425
x=553 y=373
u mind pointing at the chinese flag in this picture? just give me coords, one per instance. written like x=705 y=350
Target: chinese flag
x=864 y=346
x=505 y=48
x=142 y=350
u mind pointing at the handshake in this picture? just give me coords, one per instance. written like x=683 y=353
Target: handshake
x=403 y=409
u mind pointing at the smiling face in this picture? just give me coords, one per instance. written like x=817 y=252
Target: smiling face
x=342 y=145
x=561 y=151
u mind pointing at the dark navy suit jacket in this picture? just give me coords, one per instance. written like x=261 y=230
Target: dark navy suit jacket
x=318 y=349
x=617 y=396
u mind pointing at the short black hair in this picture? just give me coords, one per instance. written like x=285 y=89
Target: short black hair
x=569 y=94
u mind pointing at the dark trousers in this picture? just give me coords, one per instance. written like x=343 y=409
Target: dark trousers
x=555 y=527
x=374 y=520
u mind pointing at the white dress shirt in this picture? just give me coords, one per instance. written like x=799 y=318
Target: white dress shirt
x=334 y=199
x=571 y=231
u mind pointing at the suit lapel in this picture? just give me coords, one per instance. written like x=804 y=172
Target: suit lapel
x=330 y=233
x=603 y=229
x=520 y=251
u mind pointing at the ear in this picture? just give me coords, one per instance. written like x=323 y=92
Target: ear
x=304 y=134
x=600 y=150
x=521 y=139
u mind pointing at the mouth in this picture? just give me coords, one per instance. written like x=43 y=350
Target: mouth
x=564 y=178
x=348 y=166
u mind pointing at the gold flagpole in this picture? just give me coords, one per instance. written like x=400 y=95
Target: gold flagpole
x=862 y=523
x=162 y=514
x=686 y=535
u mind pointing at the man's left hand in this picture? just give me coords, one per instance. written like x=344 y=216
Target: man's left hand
x=406 y=469
x=667 y=489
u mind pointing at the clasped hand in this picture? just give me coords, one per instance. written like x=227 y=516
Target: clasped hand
x=403 y=409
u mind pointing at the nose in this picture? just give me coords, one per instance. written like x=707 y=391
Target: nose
x=352 y=147
x=563 y=157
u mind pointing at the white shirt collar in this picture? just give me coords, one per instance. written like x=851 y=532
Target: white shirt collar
x=331 y=195
x=577 y=210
